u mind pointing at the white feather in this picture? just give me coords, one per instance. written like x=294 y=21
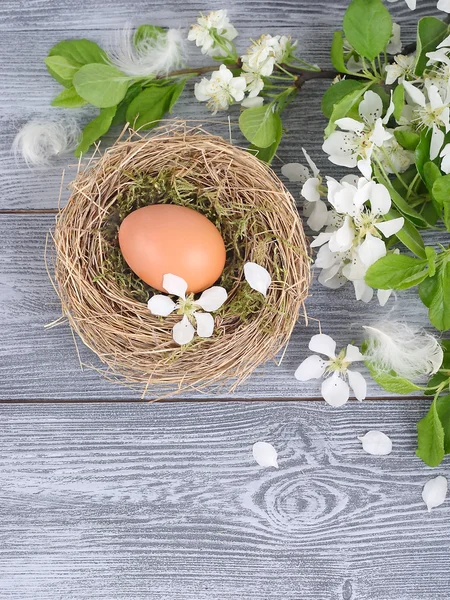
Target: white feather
x=38 y=141
x=411 y=353
x=152 y=56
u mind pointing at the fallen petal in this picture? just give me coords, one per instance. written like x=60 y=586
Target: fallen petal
x=175 y=285
x=183 y=332
x=212 y=298
x=161 y=305
x=257 y=277
x=434 y=492
x=376 y=443
x=312 y=367
x=265 y=455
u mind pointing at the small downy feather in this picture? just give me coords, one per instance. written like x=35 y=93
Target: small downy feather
x=38 y=141
x=411 y=353
x=151 y=56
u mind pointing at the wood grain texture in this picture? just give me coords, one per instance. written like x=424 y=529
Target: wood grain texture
x=166 y=502
x=38 y=363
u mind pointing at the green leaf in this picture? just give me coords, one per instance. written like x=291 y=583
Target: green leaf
x=430 y=440
x=95 y=129
x=443 y=409
x=145 y=32
x=409 y=236
x=267 y=154
x=337 y=52
x=101 y=85
x=427 y=289
x=422 y=152
x=407 y=139
x=439 y=298
x=436 y=380
x=430 y=32
x=396 y=272
x=431 y=173
x=260 y=125
x=336 y=92
x=68 y=98
x=398 y=98
x=368 y=27
x=149 y=107
x=344 y=106
x=121 y=112
x=391 y=382
x=64 y=68
x=82 y=52
x=441 y=194
x=431 y=257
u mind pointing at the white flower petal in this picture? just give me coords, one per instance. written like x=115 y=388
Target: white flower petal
x=349 y=124
x=383 y=296
x=434 y=97
x=376 y=443
x=205 y=324
x=175 y=285
x=257 y=277
x=380 y=134
x=295 y=172
x=358 y=384
x=391 y=227
x=183 y=332
x=161 y=305
x=321 y=239
x=445 y=164
x=312 y=367
x=310 y=190
x=434 y=492
x=252 y=102
x=371 y=250
x=311 y=163
x=437 y=139
x=380 y=199
x=319 y=216
x=333 y=283
x=363 y=291
x=324 y=344
x=212 y=298
x=353 y=354
x=365 y=166
x=415 y=94
x=335 y=391
x=371 y=107
x=342 y=239
x=265 y=455
x=325 y=258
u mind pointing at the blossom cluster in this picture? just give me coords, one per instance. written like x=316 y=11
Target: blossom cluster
x=353 y=217
x=214 y=34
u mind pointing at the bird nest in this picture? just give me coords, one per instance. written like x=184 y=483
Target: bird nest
x=106 y=303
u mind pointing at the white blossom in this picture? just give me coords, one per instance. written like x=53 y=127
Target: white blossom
x=444 y=5
x=209 y=30
x=220 y=90
x=193 y=317
x=401 y=68
x=395 y=43
x=431 y=113
x=353 y=146
x=410 y=3
x=315 y=208
x=335 y=389
x=445 y=155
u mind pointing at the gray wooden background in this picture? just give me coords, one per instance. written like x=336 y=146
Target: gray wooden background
x=119 y=500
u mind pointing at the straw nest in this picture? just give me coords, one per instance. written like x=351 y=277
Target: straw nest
x=105 y=303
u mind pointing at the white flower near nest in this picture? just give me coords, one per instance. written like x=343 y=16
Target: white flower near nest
x=38 y=141
x=212 y=32
x=411 y=353
x=194 y=320
x=221 y=90
x=402 y=67
x=315 y=209
x=153 y=54
x=354 y=145
x=335 y=389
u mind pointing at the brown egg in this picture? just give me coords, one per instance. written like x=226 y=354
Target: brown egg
x=166 y=238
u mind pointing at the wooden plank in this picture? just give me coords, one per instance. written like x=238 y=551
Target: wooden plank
x=38 y=363
x=43 y=15
x=136 y=502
